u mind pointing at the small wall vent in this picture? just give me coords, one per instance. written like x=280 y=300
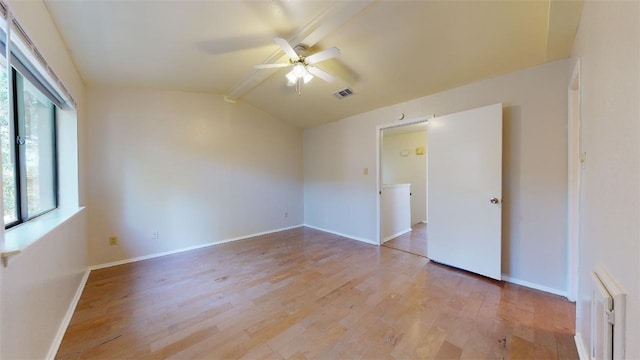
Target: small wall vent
x=344 y=93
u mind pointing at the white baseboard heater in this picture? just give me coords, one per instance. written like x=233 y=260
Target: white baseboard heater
x=608 y=313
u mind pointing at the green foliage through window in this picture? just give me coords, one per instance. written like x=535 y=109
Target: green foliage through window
x=27 y=142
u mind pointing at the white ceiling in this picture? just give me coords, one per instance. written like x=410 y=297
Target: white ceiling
x=392 y=51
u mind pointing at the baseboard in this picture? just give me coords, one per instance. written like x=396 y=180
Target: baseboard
x=343 y=235
x=534 y=286
x=583 y=352
x=62 y=329
x=171 y=252
x=396 y=235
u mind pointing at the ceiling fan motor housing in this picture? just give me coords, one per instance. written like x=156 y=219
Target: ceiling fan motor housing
x=301 y=50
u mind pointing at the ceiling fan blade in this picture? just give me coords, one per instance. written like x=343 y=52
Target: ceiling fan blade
x=323 y=55
x=333 y=17
x=271 y=66
x=284 y=45
x=336 y=14
x=321 y=74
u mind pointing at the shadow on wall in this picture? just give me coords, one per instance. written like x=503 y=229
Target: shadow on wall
x=511 y=142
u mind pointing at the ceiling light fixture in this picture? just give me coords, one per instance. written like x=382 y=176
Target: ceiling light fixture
x=299 y=75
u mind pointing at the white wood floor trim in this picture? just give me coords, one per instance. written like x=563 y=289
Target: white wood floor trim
x=343 y=235
x=534 y=286
x=396 y=235
x=583 y=353
x=171 y=252
x=62 y=329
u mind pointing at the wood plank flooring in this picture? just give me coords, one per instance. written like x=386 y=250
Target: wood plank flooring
x=302 y=294
x=414 y=242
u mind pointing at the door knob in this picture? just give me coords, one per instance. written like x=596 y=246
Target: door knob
x=494 y=200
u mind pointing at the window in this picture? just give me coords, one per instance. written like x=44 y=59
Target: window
x=28 y=140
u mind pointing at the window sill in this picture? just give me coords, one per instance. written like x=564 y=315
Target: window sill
x=24 y=235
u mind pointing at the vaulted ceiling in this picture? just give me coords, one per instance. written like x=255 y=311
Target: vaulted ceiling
x=392 y=51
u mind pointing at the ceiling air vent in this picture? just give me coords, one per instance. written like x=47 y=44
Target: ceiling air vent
x=341 y=94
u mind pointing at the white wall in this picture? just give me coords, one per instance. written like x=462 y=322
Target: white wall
x=395 y=210
x=37 y=288
x=410 y=169
x=40 y=283
x=189 y=166
x=607 y=44
x=340 y=198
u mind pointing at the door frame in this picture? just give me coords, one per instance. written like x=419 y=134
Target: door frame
x=574 y=179
x=379 y=182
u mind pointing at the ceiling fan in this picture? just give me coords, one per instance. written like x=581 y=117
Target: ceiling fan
x=303 y=65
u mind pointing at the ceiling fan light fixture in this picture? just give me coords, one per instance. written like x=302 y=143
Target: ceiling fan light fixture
x=298 y=76
x=292 y=77
x=299 y=70
x=307 y=76
x=303 y=69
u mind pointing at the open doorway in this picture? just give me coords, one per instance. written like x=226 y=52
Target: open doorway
x=402 y=165
x=464 y=212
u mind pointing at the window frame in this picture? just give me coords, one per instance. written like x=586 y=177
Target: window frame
x=20 y=165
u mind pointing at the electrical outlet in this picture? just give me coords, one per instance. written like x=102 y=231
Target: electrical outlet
x=155 y=235
x=113 y=240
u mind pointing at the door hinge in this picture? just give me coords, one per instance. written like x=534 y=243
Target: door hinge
x=20 y=140
x=611 y=316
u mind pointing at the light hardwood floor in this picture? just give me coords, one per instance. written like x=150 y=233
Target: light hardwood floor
x=303 y=293
x=414 y=242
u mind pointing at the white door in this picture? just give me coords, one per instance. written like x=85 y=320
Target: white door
x=465 y=190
